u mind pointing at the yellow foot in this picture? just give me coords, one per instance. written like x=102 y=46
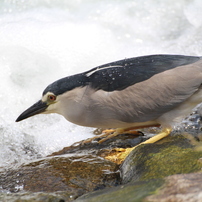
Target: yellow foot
x=109 y=133
x=133 y=130
x=118 y=155
x=114 y=132
x=93 y=138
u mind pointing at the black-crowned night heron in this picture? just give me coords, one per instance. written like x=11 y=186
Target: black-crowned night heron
x=130 y=93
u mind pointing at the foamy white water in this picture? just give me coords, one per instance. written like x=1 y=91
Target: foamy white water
x=42 y=41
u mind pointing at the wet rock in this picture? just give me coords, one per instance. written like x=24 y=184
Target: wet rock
x=35 y=197
x=180 y=188
x=73 y=171
x=75 y=174
x=175 y=188
x=144 y=171
x=131 y=192
x=153 y=161
x=81 y=170
x=192 y=124
x=106 y=149
x=96 y=148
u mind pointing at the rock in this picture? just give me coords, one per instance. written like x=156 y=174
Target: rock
x=144 y=171
x=96 y=148
x=153 y=161
x=75 y=174
x=81 y=172
x=131 y=192
x=176 y=188
x=66 y=174
x=180 y=188
x=35 y=197
x=106 y=149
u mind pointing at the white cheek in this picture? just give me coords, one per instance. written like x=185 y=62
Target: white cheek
x=52 y=108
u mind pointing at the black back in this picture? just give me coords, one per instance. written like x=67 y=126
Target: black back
x=121 y=74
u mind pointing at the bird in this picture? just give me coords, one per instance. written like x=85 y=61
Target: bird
x=135 y=92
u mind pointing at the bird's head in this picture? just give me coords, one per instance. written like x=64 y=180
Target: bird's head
x=53 y=99
x=46 y=105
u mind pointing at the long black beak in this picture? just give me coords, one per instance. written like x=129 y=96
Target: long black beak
x=37 y=108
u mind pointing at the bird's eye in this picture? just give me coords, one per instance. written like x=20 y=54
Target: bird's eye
x=52 y=97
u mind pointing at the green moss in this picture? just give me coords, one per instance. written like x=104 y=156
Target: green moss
x=154 y=161
x=143 y=171
x=130 y=192
x=171 y=160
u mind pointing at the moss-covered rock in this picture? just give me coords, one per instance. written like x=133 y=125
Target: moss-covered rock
x=131 y=192
x=144 y=172
x=80 y=170
x=153 y=161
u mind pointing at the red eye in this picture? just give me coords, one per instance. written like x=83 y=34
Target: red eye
x=52 y=97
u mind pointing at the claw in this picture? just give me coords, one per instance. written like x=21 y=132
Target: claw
x=120 y=153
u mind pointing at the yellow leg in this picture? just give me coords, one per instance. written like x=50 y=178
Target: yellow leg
x=98 y=136
x=123 y=153
x=109 y=133
x=157 y=137
x=112 y=133
x=116 y=132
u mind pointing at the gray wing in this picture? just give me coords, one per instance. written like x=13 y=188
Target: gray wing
x=148 y=100
x=124 y=73
x=120 y=74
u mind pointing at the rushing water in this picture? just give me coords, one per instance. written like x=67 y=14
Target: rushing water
x=44 y=40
